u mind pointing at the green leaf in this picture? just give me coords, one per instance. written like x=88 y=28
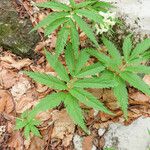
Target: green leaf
x=48 y=80
x=57 y=66
x=74 y=111
x=88 y=99
x=127 y=47
x=84 y=4
x=98 y=82
x=120 y=91
x=49 y=102
x=90 y=15
x=90 y=70
x=102 y=6
x=86 y=29
x=54 y=5
x=112 y=50
x=54 y=25
x=20 y=124
x=27 y=132
x=100 y=56
x=140 y=48
x=70 y=59
x=81 y=60
x=136 y=81
x=139 y=69
x=49 y=19
x=72 y=3
x=61 y=40
x=35 y=131
x=74 y=36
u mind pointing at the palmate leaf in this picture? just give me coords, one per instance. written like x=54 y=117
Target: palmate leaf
x=74 y=111
x=136 y=81
x=90 y=70
x=20 y=124
x=140 y=48
x=84 y=4
x=90 y=15
x=61 y=40
x=98 y=82
x=70 y=59
x=100 y=56
x=54 y=5
x=127 y=47
x=88 y=99
x=104 y=5
x=57 y=66
x=54 y=25
x=72 y=3
x=81 y=60
x=48 y=102
x=35 y=131
x=74 y=36
x=86 y=29
x=139 y=69
x=27 y=132
x=112 y=51
x=49 y=19
x=120 y=91
x=48 y=80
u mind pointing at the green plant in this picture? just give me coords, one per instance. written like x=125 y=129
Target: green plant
x=69 y=18
x=125 y=68
x=70 y=87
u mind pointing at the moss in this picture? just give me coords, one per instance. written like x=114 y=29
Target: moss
x=14 y=33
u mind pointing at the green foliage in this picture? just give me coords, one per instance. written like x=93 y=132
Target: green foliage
x=68 y=18
x=124 y=68
x=29 y=124
x=70 y=89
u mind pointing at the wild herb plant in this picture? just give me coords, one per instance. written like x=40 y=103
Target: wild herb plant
x=125 y=69
x=69 y=18
x=70 y=88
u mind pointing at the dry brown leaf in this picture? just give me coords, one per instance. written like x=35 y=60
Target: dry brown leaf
x=138 y=96
x=43 y=116
x=20 y=88
x=63 y=126
x=6 y=102
x=16 y=141
x=16 y=64
x=87 y=143
x=7 y=78
x=36 y=144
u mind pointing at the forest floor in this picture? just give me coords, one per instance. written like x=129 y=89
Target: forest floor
x=19 y=93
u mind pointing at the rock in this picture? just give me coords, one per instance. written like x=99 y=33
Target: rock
x=130 y=11
x=14 y=32
x=77 y=141
x=101 y=131
x=132 y=137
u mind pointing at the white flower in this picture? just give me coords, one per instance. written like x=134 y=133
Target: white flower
x=108 y=22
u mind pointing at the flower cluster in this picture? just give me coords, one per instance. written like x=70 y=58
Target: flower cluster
x=109 y=20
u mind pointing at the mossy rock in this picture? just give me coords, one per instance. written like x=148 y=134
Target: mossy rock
x=14 y=32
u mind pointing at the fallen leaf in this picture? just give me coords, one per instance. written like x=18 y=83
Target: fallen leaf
x=63 y=126
x=87 y=143
x=138 y=96
x=20 y=88
x=36 y=144
x=7 y=78
x=6 y=102
x=16 y=141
